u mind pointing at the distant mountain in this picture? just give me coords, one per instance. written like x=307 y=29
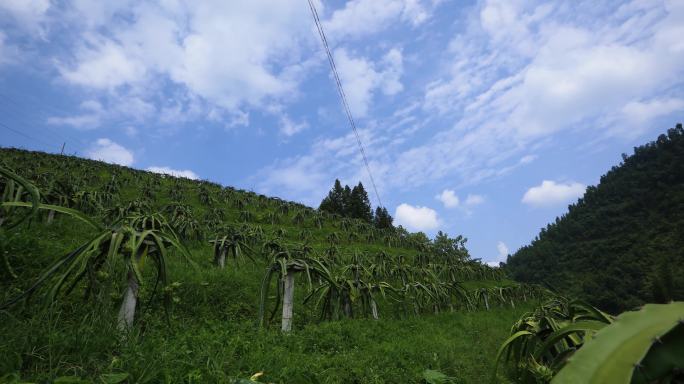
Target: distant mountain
x=622 y=244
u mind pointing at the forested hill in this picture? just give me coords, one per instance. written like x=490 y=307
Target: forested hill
x=622 y=244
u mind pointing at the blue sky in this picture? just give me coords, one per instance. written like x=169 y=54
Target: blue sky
x=482 y=118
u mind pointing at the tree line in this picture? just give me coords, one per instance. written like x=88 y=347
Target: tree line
x=354 y=203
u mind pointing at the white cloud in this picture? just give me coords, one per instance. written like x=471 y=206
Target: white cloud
x=188 y=174
x=302 y=178
x=28 y=14
x=110 y=152
x=97 y=13
x=503 y=250
x=473 y=200
x=307 y=178
x=79 y=121
x=550 y=193
x=641 y=112
x=523 y=74
x=573 y=78
x=416 y=218
x=448 y=198
x=91 y=118
x=104 y=64
x=133 y=107
x=361 y=78
x=362 y=17
x=94 y=113
x=289 y=127
x=143 y=44
x=483 y=107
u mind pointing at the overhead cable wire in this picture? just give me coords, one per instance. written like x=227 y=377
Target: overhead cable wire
x=18 y=132
x=343 y=97
x=29 y=110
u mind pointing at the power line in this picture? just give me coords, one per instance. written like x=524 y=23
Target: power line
x=25 y=135
x=39 y=105
x=343 y=97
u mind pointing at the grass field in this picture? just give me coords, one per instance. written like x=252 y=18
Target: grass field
x=210 y=331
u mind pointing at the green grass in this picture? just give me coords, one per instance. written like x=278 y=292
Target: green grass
x=213 y=349
x=210 y=334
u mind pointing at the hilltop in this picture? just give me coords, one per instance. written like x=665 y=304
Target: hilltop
x=620 y=245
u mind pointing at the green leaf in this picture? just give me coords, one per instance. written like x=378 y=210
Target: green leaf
x=614 y=352
x=114 y=378
x=30 y=188
x=68 y=211
x=436 y=377
x=580 y=326
x=505 y=345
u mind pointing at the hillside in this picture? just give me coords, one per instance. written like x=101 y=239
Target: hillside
x=370 y=305
x=622 y=244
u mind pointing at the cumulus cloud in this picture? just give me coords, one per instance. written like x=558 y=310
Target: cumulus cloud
x=416 y=218
x=104 y=64
x=361 y=78
x=502 y=250
x=225 y=57
x=449 y=198
x=188 y=174
x=108 y=151
x=187 y=46
x=550 y=193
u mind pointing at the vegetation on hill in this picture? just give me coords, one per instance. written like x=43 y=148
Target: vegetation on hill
x=204 y=278
x=622 y=244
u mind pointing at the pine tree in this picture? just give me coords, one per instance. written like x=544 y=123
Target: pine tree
x=382 y=218
x=350 y=202
x=359 y=204
x=334 y=202
x=346 y=201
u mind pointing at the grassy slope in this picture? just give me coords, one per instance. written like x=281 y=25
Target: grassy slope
x=212 y=335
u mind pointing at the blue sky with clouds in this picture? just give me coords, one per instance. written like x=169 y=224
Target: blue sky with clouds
x=482 y=118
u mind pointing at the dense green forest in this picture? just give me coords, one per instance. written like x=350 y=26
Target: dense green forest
x=622 y=243
x=111 y=274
